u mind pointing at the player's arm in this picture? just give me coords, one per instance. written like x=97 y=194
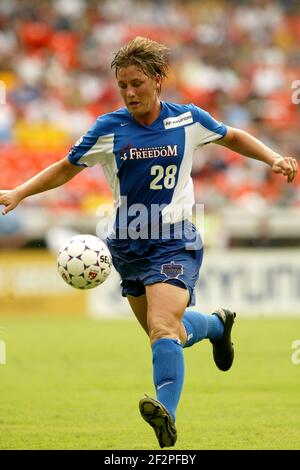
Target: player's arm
x=51 y=177
x=241 y=142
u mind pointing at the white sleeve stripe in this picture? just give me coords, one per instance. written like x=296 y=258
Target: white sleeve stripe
x=204 y=135
x=102 y=149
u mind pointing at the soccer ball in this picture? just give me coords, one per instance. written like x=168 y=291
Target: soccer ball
x=84 y=262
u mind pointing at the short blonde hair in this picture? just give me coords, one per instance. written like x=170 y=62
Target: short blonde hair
x=149 y=56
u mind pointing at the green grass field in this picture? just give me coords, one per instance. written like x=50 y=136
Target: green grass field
x=76 y=383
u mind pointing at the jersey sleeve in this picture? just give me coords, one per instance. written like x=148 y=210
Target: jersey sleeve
x=210 y=129
x=93 y=147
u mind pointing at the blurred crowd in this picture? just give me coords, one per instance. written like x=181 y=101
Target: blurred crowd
x=239 y=60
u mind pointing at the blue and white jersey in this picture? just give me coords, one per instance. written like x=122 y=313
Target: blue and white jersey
x=149 y=165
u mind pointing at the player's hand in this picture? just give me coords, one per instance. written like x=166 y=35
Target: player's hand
x=10 y=199
x=287 y=167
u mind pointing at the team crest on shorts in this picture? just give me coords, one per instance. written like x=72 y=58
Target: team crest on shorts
x=172 y=270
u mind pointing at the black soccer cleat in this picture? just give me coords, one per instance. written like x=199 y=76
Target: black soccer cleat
x=160 y=419
x=223 y=351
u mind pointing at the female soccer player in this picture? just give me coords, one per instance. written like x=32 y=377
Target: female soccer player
x=146 y=150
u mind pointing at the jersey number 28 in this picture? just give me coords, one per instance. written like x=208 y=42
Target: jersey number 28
x=164 y=177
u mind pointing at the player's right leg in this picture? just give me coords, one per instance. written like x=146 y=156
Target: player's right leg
x=139 y=307
x=165 y=307
x=153 y=411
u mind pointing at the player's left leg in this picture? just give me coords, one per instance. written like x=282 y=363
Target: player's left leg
x=215 y=327
x=201 y=326
x=195 y=327
x=139 y=307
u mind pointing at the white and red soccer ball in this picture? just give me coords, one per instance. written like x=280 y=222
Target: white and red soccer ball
x=84 y=262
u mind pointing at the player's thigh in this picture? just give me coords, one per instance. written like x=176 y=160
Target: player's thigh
x=166 y=304
x=139 y=308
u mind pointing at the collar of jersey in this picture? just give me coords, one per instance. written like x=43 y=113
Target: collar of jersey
x=162 y=115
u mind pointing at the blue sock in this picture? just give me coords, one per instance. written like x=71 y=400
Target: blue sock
x=199 y=326
x=168 y=372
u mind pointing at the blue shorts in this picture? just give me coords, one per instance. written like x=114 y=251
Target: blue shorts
x=144 y=262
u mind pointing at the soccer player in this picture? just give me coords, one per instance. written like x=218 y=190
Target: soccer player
x=146 y=150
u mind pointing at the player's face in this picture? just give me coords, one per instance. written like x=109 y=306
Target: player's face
x=139 y=92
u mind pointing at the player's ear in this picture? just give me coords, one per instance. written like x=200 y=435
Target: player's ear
x=158 y=80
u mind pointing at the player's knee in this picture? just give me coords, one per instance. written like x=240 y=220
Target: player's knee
x=158 y=333
x=182 y=334
x=163 y=328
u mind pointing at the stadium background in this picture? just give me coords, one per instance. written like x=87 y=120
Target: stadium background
x=239 y=60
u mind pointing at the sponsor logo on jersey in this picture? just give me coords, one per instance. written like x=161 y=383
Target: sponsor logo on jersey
x=135 y=153
x=171 y=270
x=178 y=121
